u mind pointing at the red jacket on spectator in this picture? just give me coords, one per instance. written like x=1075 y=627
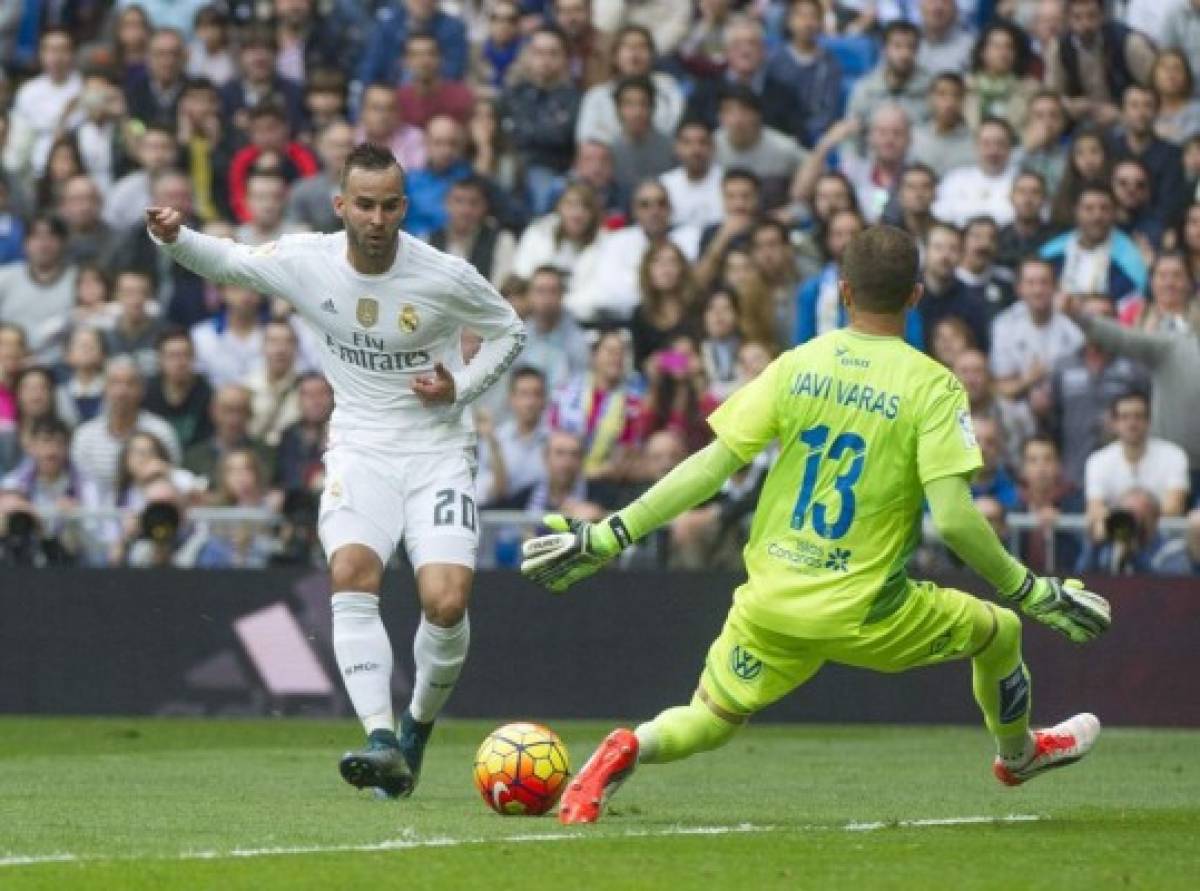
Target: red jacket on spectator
x=300 y=163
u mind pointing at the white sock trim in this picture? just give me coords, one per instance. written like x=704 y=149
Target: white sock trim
x=439 y=654
x=364 y=657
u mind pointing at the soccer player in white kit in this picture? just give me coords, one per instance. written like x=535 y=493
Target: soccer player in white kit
x=388 y=310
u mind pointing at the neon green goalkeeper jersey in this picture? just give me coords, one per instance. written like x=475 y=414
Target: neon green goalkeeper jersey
x=863 y=423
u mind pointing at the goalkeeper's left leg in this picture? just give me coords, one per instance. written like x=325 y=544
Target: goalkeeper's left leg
x=699 y=726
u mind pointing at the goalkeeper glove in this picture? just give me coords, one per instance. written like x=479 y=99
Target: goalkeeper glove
x=576 y=550
x=1064 y=606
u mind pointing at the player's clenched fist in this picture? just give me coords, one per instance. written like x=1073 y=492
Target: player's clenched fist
x=164 y=223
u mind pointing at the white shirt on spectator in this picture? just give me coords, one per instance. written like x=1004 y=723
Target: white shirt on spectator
x=968 y=192
x=1017 y=341
x=612 y=290
x=539 y=246
x=224 y=357
x=694 y=202
x=37 y=111
x=1163 y=469
x=94 y=450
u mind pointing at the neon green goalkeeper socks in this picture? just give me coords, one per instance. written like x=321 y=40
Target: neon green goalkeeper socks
x=1001 y=684
x=682 y=731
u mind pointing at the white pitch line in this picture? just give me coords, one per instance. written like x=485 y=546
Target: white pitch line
x=411 y=842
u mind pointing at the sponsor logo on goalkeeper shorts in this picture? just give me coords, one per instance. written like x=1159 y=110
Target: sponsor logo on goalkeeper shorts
x=745 y=664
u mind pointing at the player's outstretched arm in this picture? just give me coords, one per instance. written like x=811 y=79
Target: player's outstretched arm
x=216 y=259
x=1064 y=606
x=578 y=549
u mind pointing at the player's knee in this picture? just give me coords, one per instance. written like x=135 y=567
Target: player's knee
x=355 y=568
x=444 y=596
x=1006 y=638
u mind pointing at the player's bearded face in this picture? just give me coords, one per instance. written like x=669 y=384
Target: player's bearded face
x=372 y=207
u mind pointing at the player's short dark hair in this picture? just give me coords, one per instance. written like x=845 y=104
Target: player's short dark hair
x=366 y=156
x=881 y=264
x=734 y=174
x=639 y=83
x=525 y=371
x=900 y=26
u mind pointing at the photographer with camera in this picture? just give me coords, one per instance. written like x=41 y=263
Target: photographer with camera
x=1131 y=542
x=165 y=537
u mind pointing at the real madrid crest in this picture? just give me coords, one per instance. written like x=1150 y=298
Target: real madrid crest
x=367 y=311
x=408 y=319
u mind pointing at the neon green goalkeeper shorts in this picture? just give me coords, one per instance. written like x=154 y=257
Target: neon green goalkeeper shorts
x=749 y=667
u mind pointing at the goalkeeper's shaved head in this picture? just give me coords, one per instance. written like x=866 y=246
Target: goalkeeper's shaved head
x=881 y=266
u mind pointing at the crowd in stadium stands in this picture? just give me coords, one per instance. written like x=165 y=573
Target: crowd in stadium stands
x=662 y=189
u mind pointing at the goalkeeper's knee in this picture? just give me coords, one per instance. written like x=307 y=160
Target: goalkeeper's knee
x=1002 y=644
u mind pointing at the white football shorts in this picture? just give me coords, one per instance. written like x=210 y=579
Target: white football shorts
x=378 y=499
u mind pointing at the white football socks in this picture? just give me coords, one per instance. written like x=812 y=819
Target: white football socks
x=364 y=656
x=439 y=654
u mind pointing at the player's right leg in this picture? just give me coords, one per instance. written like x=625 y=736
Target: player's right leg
x=743 y=674
x=358 y=548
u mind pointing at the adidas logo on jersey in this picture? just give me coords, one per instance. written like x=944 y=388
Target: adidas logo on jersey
x=328 y=306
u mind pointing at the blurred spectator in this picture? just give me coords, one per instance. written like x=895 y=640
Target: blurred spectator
x=1047 y=494
x=136 y=331
x=24 y=541
x=325 y=101
x=666 y=19
x=633 y=56
x=33 y=391
x=492 y=59
x=812 y=72
x=611 y=292
x=819 y=308
x=271 y=150
x=41 y=104
x=677 y=394
x=1096 y=257
x=945 y=293
x=471 y=233
x=259 y=83
x=131 y=35
x=395 y=23
x=539 y=113
x=874 y=175
x=229 y=347
x=38 y=291
x=274 y=386
x=999 y=84
x=178 y=394
x=512 y=453
x=1014 y=422
x=756 y=308
x=310 y=201
x=1044 y=151
x=143 y=459
x=62 y=163
x=206 y=149
x=89 y=238
x=566 y=487
x=78 y=396
x=1173 y=80
x=594 y=167
x=129 y=197
x=231 y=415
x=93 y=299
x=695 y=185
x=1170 y=306
x=1028 y=230
x=746 y=69
x=426 y=91
x=946 y=44
x=1135 y=459
x=948 y=340
x=1173 y=360
x=208 y=54
x=667 y=305
x=1089 y=163
x=744 y=142
x=46 y=478
x=1031 y=336
x=153 y=98
x=1130 y=541
x=105 y=133
x=600 y=408
x=771 y=250
x=176 y=14
x=554 y=344
x=912 y=207
x=164 y=537
x=897 y=79
x=379 y=123
x=241 y=544
x=12 y=227
x=993 y=479
x=568 y=239
x=307 y=39
x=298 y=458
x=1135 y=216
x=266 y=202
x=639 y=151
x=741 y=209
x=984 y=188
x=1095 y=60
x=1181 y=32
x=1134 y=139
x=427 y=188
x=98 y=442
x=14 y=353
x=984 y=278
x=720 y=342
x=589 y=55
x=490 y=152
x=945 y=141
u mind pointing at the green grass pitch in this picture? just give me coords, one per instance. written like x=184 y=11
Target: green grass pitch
x=152 y=804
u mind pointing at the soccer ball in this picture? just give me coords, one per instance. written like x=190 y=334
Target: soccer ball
x=521 y=769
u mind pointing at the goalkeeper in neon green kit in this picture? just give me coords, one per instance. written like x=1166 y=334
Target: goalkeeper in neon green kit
x=869 y=430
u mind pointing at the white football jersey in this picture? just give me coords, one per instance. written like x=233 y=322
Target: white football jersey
x=377 y=331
